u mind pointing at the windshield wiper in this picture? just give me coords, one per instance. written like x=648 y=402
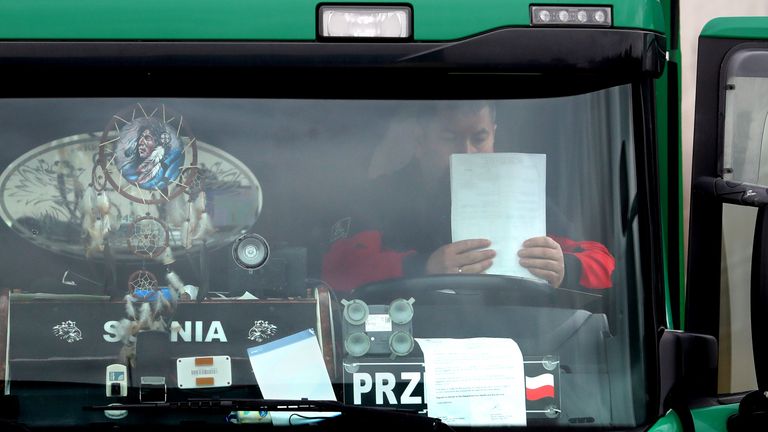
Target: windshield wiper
x=349 y=413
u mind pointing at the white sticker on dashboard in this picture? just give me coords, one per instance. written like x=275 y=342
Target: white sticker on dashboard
x=378 y=323
x=204 y=372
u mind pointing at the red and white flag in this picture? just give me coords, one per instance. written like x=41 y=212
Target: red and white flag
x=540 y=387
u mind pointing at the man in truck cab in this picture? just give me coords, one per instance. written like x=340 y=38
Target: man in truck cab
x=401 y=226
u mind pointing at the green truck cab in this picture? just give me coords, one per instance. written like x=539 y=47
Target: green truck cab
x=366 y=214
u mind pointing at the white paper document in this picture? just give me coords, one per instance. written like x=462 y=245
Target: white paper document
x=474 y=382
x=292 y=368
x=500 y=197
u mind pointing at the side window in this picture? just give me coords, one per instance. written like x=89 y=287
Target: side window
x=745 y=159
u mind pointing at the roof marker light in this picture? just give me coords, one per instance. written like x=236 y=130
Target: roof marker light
x=588 y=16
x=375 y=22
x=600 y=16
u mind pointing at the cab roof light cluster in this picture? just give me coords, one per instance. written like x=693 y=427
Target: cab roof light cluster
x=588 y=16
x=365 y=22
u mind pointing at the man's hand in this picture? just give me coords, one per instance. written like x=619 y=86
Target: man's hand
x=543 y=257
x=461 y=257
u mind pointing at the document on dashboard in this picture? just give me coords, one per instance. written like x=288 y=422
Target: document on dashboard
x=500 y=197
x=292 y=368
x=474 y=382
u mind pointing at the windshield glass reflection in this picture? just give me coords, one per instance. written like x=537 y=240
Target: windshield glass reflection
x=473 y=261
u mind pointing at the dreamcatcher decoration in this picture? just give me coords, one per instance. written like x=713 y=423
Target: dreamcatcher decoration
x=144 y=152
x=148 y=237
x=144 y=306
x=149 y=156
x=148 y=306
x=141 y=282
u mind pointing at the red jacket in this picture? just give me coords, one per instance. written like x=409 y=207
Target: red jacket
x=361 y=259
x=396 y=224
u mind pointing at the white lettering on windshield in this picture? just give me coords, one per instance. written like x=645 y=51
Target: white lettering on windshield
x=413 y=380
x=384 y=382
x=361 y=383
x=189 y=331
x=186 y=334
x=111 y=332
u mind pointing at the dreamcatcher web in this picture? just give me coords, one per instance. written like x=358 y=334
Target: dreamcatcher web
x=143 y=281
x=148 y=238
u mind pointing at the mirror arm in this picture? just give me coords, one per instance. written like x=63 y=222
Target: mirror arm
x=732 y=192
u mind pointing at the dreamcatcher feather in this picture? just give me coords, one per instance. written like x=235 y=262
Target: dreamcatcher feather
x=105 y=225
x=102 y=203
x=175 y=283
x=204 y=228
x=177 y=211
x=129 y=309
x=166 y=258
x=88 y=201
x=186 y=235
x=96 y=239
x=200 y=203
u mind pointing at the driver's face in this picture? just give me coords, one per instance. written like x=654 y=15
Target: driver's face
x=457 y=131
x=146 y=144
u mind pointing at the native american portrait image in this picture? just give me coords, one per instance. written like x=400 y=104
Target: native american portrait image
x=149 y=154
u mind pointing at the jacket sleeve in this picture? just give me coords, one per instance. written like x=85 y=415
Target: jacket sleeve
x=597 y=263
x=361 y=259
x=357 y=260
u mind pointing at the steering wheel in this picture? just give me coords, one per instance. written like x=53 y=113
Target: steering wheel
x=459 y=289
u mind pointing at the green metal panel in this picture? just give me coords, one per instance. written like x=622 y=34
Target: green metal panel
x=737 y=28
x=270 y=19
x=676 y=57
x=668 y=423
x=710 y=419
x=668 y=96
x=671 y=213
x=662 y=130
x=713 y=419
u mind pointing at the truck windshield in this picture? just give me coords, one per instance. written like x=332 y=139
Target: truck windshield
x=476 y=261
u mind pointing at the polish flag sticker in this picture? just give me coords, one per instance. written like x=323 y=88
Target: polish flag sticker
x=540 y=387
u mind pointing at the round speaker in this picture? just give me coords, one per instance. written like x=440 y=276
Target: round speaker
x=400 y=343
x=355 y=312
x=250 y=251
x=357 y=344
x=401 y=311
